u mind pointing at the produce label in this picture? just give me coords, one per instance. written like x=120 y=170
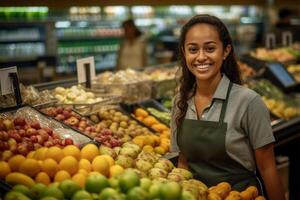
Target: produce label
x=81 y=70
x=6 y=81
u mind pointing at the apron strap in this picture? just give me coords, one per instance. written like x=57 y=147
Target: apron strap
x=224 y=105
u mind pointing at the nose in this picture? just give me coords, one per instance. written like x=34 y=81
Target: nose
x=201 y=55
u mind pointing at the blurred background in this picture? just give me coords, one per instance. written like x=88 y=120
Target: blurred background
x=44 y=38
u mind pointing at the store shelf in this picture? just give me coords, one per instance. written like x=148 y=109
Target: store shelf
x=21 y=41
x=87 y=38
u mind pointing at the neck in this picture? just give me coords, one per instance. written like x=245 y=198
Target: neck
x=207 y=88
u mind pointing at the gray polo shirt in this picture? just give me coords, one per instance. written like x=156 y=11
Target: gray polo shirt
x=247 y=117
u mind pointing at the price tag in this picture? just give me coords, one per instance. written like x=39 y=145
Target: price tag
x=270 y=41
x=287 y=38
x=81 y=76
x=6 y=81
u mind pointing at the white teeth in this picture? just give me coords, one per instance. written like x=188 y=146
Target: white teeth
x=202 y=66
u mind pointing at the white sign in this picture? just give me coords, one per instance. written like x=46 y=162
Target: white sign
x=270 y=41
x=81 y=69
x=6 y=81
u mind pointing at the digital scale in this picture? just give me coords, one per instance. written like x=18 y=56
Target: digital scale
x=279 y=75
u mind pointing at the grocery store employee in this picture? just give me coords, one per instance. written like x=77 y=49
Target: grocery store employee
x=132 y=53
x=221 y=130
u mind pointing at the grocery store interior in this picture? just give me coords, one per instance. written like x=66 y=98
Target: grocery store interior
x=46 y=40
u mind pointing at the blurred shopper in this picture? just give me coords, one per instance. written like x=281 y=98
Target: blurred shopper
x=221 y=129
x=133 y=50
x=284 y=18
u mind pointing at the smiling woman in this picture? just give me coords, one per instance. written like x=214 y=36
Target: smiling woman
x=227 y=125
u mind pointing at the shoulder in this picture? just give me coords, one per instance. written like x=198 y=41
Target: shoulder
x=243 y=94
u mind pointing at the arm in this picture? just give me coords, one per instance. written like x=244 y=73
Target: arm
x=266 y=165
x=182 y=162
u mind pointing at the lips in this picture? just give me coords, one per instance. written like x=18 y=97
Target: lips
x=202 y=67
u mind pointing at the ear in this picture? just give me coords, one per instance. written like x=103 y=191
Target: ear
x=227 y=50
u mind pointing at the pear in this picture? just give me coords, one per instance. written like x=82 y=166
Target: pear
x=143 y=165
x=157 y=173
x=124 y=161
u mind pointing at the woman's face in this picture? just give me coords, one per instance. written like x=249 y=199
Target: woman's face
x=204 y=52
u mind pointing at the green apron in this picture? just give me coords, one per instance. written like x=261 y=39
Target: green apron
x=203 y=145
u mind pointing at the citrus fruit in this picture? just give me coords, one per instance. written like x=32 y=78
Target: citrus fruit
x=22 y=189
x=185 y=195
x=12 y=195
x=253 y=190
x=80 y=179
x=82 y=194
x=72 y=150
x=94 y=173
x=30 y=167
x=89 y=152
x=137 y=193
x=154 y=191
x=41 y=153
x=5 y=169
x=70 y=164
x=108 y=193
x=115 y=170
x=96 y=183
x=69 y=187
x=85 y=164
x=53 y=191
x=61 y=176
x=15 y=162
x=101 y=165
x=50 y=166
x=83 y=171
x=148 y=148
x=42 y=177
x=55 y=153
x=128 y=180
x=36 y=190
x=109 y=159
x=30 y=154
x=171 y=190
x=246 y=195
x=145 y=183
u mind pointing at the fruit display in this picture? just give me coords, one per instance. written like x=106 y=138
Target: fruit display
x=18 y=137
x=282 y=55
x=76 y=121
x=295 y=71
x=133 y=86
x=75 y=95
x=246 y=70
x=119 y=123
x=29 y=96
x=164 y=117
x=279 y=105
x=161 y=73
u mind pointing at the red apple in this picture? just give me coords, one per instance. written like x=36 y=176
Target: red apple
x=68 y=141
x=49 y=131
x=35 y=125
x=26 y=140
x=69 y=109
x=72 y=121
x=14 y=149
x=48 y=144
x=40 y=139
x=30 y=146
x=43 y=133
x=59 y=110
x=67 y=114
x=2 y=146
x=17 y=137
x=60 y=117
x=37 y=146
x=30 y=132
x=22 y=149
x=22 y=132
x=4 y=136
x=33 y=139
x=2 y=127
x=56 y=141
x=19 y=121
x=55 y=136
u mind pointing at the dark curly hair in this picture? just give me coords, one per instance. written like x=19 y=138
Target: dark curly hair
x=187 y=80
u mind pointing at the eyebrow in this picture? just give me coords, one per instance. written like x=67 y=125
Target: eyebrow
x=209 y=42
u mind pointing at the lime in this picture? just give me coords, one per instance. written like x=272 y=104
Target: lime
x=171 y=191
x=53 y=192
x=187 y=196
x=114 y=183
x=69 y=187
x=154 y=191
x=128 y=180
x=146 y=183
x=96 y=183
x=137 y=193
x=82 y=194
x=37 y=190
x=109 y=194
x=48 y=198
x=22 y=189
x=13 y=195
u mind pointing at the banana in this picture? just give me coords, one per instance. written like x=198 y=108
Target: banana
x=19 y=178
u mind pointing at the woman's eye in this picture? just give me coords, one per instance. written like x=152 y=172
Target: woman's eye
x=192 y=50
x=210 y=49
